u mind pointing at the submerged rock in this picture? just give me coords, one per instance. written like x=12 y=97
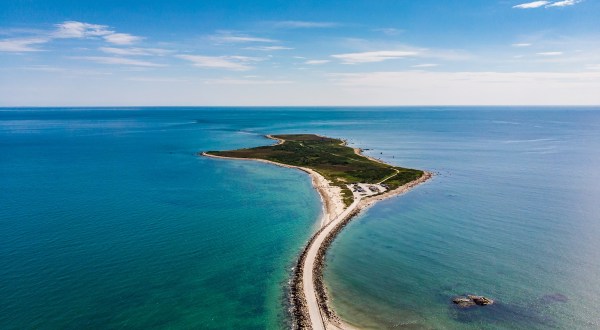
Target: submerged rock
x=471 y=300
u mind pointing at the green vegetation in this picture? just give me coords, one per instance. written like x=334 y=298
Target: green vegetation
x=329 y=157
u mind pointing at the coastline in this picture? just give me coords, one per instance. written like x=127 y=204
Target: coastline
x=308 y=295
x=331 y=319
x=330 y=197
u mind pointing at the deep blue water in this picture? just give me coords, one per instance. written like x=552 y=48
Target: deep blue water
x=109 y=219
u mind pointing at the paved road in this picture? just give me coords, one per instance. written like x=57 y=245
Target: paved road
x=316 y=319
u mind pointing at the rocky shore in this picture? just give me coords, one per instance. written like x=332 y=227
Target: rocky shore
x=322 y=297
x=299 y=308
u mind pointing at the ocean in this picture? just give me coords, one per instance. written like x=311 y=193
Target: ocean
x=110 y=219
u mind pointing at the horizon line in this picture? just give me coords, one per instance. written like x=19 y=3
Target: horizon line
x=302 y=106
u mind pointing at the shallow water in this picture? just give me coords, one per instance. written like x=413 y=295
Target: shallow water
x=108 y=218
x=513 y=215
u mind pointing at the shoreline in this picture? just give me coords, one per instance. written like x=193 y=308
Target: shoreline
x=332 y=320
x=330 y=201
x=308 y=295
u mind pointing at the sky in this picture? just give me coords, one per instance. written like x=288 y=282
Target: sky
x=296 y=53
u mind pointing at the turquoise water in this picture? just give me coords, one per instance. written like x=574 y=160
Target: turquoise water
x=109 y=219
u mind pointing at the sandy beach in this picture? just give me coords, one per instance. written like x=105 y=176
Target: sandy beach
x=330 y=195
x=309 y=300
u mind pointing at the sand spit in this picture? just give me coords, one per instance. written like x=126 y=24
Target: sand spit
x=308 y=295
x=330 y=319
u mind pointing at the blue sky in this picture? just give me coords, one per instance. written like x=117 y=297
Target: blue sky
x=383 y=52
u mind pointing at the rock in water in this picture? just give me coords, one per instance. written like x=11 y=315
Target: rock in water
x=463 y=301
x=471 y=300
x=481 y=300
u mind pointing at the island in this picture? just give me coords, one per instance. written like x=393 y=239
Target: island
x=347 y=182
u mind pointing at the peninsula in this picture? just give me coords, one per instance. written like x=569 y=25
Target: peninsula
x=347 y=182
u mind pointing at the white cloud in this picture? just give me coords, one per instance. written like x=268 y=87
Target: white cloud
x=369 y=57
x=43 y=68
x=405 y=78
x=65 y=71
x=316 y=62
x=547 y=4
x=21 y=44
x=156 y=79
x=534 y=4
x=135 y=51
x=521 y=45
x=81 y=30
x=564 y=3
x=118 y=61
x=425 y=65
x=550 y=53
x=389 y=31
x=269 y=48
x=121 y=38
x=369 y=88
x=593 y=67
x=217 y=62
x=228 y=37
x=304 y=24
x=234 y=81
x=246 y=58
x=74 y=29
x=462 y=88
x=445 y=54
x=67 y=30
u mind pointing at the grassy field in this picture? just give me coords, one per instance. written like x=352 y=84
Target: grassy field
x=329 y=157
